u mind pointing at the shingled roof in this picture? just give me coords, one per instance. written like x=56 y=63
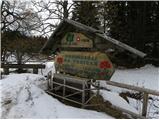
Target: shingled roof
x=73 y=26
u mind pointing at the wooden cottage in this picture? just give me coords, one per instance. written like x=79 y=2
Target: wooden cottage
x=93 y=40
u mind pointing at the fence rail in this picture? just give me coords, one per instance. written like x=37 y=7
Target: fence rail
x=35 y=67
x=145 y=92
x=131 y=87
x=23 y=66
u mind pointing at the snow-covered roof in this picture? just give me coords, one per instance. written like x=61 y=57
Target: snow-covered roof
x=73 y=26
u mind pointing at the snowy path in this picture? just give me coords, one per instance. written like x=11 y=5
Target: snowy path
x=23 y=96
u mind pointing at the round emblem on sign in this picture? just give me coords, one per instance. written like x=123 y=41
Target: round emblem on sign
x=104 y=65
x=78 y=38
x=59 y=60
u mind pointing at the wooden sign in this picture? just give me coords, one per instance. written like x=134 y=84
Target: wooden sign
x=91 y=65
x=76 y=40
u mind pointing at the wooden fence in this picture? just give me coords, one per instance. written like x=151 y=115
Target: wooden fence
x=145 y=92
x=35 y=67
x=71 y=86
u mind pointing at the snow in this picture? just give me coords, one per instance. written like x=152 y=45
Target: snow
x=147 y=77
x=49 y=67
x=116 y=100
x=23 y=96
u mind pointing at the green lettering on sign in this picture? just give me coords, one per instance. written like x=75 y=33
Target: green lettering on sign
x=70 y=38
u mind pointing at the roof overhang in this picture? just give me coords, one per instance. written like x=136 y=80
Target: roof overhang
x=73 y=26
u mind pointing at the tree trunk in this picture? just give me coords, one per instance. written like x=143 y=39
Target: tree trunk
x=65 y=13
x=3 y=55
x=19 y=61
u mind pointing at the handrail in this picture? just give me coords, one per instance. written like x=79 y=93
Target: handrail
x=131 y=87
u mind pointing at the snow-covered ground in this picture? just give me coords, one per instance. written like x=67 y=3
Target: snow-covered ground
x=23 y=95
x=147 y=77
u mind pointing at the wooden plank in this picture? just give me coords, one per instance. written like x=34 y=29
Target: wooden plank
x=70 y=78
x=122 y=45
x=51 y=93
x=103 y=46
x=145 y=103
x=89 y=99
x=67 y=86
x=73 y=94
x=131 y=87
x=23 y=66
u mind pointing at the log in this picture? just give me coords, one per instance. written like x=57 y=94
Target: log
x=131 y=87
x=71 y=78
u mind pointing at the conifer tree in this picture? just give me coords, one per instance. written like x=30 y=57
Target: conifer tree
x=86 y=12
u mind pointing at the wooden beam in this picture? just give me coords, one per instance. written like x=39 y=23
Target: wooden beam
x=131 y=87
x=70 y=78
x=23 y=66
x=51 y=93
x=122 y=45
x=67 y=86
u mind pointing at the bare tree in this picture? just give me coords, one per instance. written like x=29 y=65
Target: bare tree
x=51 y=12
x=17 y=16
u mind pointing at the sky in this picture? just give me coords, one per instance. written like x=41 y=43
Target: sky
x=43 y=15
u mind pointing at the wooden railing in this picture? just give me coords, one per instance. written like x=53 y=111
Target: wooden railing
x=145 y=92
x=35 y=67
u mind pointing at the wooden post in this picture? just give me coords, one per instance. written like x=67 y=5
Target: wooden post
x=64 y=87
x=49 y=80
x=83 y=95
x=6 y=71
x=145 y=103
x=88 y=91
x=35 y=70
x=0 y=75
x=98 y=88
